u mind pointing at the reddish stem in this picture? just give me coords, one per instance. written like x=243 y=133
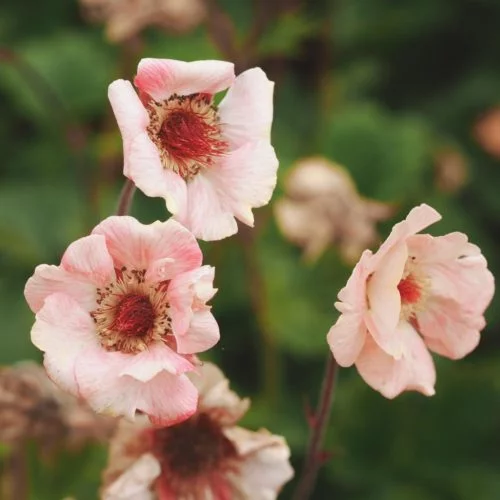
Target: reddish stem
x=126 y=196
x=315 y=454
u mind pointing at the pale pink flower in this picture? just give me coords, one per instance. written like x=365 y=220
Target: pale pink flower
x=417 y=292
x=211 y=163
x=207 y=456
x=122 y=317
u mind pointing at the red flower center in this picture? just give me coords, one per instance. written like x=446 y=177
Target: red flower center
x=186 y=136
x=134 y=315
x=193 y=455
x=410 y=290
x=186 y=131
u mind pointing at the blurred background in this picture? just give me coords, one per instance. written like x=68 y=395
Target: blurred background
x=379 y=106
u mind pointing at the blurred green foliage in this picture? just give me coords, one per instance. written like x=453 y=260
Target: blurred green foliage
x=376 y=85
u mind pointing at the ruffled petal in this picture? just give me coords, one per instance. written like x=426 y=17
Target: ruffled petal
x=186 y=292
x=144 y=167
x=413 y=371
x=207 y=214
x=47 y=280
x=246 y=112
x=140 y=246
x=88 y=259
x=202 y=334
x=62 y=330
x=160 y=78
x=245 y=179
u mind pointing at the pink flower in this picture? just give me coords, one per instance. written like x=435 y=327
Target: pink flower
x=438 y=287
x=207 y=456
x=122 y=317
x=210 y=162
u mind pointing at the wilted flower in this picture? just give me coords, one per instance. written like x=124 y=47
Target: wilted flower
x=126 y=18
x=207 y=456
x=322 y=207
x=32 y=407
x=123 y=315
x=487 y=132
x=438 y=287
x=210 y=162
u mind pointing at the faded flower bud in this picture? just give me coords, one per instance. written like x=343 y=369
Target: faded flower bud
x=322 y=207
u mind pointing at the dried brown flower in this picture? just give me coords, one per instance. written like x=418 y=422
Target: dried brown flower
x=322 y=207
x=32 y=407
x=126 y=18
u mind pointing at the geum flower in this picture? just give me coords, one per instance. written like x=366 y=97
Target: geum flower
x=417 y=292
x=205 y=457
x=211 y=163
x=121 y=319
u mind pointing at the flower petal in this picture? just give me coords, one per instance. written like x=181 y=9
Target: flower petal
x=264 y=467
x=131 y=116
x=246 y=112
x=147 y=364
x=245 y=179
x=202 y=334
x=456 y=269
x=135 y=483
x=186 y=292
x=207 y=215
x=216 y=398
x=139 y=246
x=62 y=330
x=47 y=280
x=160 y=78
x=448 y=329
x=384 y=300
x=166 y=398
x=419 y=218
x=346 y=338
x=414 y=371
x=144 y=167
x=88 y=259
